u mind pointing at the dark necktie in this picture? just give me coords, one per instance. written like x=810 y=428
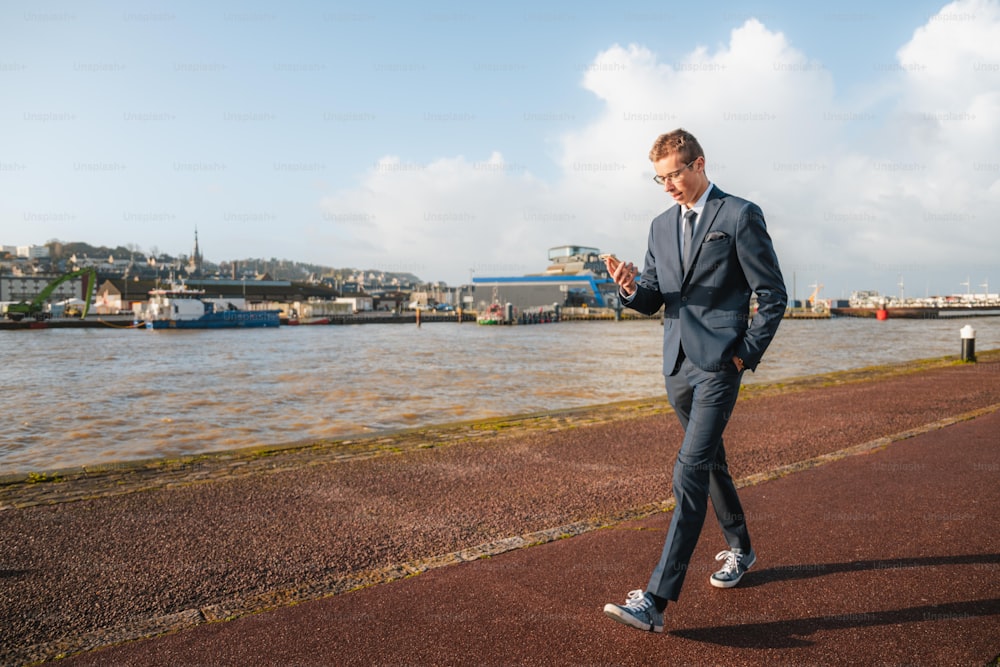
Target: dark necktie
x=688 y=233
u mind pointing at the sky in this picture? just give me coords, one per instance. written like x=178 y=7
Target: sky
x=455 y=140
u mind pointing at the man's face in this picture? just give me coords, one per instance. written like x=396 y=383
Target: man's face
x=684 y=181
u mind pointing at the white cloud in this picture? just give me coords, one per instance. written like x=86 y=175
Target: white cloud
x=452 y=214
x=850 y=192
x=934 y=171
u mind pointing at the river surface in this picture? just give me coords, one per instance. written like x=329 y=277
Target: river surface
x=83 y=397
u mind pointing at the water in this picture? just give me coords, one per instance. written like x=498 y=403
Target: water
x=81 y=397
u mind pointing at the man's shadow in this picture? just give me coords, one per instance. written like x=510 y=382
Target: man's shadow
x=790 y=633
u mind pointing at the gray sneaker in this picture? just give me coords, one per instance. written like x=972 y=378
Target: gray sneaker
x=736 y=565
x=639 y=611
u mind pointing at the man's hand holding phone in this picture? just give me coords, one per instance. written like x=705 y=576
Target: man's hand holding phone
x=623 y=273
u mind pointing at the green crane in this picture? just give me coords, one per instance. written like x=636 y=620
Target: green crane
x=36 y=308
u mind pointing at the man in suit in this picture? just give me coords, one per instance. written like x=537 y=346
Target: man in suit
x=705 y=256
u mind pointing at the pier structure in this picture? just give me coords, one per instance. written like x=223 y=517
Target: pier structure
x=575 y=278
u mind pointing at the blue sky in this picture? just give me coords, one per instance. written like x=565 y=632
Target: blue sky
x=452 y=140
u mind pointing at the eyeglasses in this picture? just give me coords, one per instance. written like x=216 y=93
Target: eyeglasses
x=674 y=175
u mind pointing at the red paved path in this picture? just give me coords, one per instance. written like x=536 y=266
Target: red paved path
x=891 y=557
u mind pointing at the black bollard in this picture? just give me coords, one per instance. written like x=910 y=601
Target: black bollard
x=968 y=343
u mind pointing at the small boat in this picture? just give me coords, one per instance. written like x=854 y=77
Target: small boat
x=492 y=315
x=182 y=308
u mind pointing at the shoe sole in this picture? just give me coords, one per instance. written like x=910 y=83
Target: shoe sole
x=614 y=613
x=731 y=583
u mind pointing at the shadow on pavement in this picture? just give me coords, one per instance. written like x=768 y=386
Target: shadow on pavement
x=772 y=575
x=791 y=633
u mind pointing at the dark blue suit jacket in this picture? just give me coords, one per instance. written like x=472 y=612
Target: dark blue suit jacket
x=707 y=308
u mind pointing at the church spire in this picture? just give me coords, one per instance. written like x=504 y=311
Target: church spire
x=194 y=263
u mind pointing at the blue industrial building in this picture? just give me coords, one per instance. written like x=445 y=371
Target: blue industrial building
x=575 y=277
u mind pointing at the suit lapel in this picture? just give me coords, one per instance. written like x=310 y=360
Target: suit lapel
x=704 y=224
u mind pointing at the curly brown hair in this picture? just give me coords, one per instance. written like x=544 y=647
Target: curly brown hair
x=678 y=141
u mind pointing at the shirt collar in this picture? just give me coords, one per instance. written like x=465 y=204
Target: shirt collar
x=700 y=204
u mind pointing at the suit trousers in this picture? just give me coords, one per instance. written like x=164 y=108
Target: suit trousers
x=703 y=402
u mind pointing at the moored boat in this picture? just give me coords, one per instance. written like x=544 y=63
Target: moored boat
x=917 y=312
x=184 y=308
x=492 y=315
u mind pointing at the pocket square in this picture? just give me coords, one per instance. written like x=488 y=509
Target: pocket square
x=716 y=236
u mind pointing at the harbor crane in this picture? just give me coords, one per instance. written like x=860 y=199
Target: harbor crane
x=818 y=306
x=36 y=307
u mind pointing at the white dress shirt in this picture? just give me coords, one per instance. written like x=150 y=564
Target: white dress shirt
x=698 y=207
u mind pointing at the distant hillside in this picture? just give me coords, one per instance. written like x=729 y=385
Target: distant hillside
x=277 y=269
x=58 y=251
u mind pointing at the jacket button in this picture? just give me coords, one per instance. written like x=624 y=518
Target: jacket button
x=684 y=298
